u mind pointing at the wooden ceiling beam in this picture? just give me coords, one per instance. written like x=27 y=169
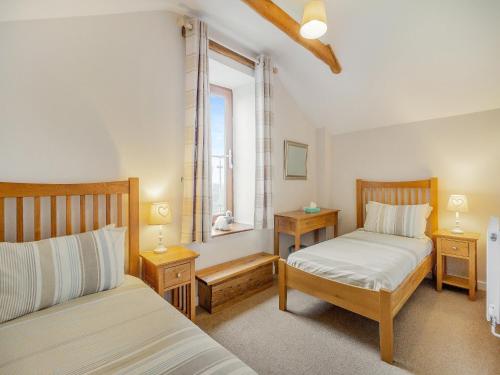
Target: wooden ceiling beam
x=279 y=18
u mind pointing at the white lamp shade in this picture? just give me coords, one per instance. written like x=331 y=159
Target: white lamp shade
x=313 y=24
x=458 y=203
x=160 y=213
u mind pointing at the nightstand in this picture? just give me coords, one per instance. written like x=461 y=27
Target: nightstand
x=172 y=271
x=460 y=246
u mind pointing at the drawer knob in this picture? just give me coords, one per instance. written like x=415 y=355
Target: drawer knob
x=178 y=275
x=454 y=247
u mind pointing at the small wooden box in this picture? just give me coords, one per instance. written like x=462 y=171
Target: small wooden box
x=229 y=282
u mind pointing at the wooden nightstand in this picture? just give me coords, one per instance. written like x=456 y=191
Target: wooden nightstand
x=461 y=246
x=172 y=271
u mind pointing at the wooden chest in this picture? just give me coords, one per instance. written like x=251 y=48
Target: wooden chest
x=230 y=282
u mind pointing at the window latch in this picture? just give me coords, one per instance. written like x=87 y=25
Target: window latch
x=229 y=157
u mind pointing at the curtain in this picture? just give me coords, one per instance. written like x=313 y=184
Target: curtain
x=263 y=122
x=196 y=210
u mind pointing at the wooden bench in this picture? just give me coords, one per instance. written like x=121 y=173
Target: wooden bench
x=227 y=283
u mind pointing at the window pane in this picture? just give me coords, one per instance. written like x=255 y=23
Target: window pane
x=217 y=128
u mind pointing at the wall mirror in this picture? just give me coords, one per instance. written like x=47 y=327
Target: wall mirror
x=295 y=167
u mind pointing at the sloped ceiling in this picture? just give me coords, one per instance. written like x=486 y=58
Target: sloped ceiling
x=403 y=60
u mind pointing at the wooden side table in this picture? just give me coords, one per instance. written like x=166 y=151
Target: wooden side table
x=460 y=246
x=172 y=271
x=296 y=223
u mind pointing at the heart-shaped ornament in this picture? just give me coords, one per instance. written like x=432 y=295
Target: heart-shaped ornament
x=163 y=211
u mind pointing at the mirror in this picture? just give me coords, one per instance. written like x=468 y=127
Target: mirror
x=295 y=167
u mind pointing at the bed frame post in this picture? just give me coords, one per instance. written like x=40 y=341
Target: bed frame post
x=133 y=226
x=386 y=327
x=433 y=201
x=359 y=203
x=282 y=284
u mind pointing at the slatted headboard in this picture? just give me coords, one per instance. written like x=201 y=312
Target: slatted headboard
x=23 y=192
x=399 y=192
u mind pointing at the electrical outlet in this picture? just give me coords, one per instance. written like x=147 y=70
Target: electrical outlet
x=491 y=312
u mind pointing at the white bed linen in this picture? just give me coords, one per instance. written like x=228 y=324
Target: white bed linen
x=365 y=259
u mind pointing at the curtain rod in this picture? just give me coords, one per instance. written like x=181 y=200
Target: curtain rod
x=225 y=51
x=228 y=52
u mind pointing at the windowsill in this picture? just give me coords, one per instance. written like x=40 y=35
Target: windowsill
x=233 y=228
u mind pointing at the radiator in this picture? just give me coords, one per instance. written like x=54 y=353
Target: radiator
x=493 y=274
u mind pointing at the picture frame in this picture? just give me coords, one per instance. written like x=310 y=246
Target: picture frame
x=295 y=160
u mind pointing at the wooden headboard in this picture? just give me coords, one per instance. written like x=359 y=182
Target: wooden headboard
x=399 y=192
x=24 y=192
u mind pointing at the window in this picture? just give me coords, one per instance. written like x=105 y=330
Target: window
x=232 y=153
x=221 y=128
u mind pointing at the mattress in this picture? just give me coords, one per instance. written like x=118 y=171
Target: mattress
x=129 y=330
x=365 y=259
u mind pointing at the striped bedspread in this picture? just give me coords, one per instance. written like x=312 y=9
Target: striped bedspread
x=127 y=330
x=364 y=259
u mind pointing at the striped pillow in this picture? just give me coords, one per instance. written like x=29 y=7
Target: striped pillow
x=36 y=275
x=404 y=220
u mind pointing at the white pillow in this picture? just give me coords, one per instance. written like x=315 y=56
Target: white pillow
x=401 y=220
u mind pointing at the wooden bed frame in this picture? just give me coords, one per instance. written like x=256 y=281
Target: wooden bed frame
x=381 y=306
x=25 y=191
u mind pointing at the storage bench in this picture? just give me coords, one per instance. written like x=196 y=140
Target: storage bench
x=227 y=283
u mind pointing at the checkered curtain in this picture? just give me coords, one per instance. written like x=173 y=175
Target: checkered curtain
x=263 y=122
x=196 y=210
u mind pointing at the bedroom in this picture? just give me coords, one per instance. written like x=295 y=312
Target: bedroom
x=94 y=91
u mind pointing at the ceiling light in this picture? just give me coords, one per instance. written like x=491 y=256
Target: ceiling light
x=313 y=24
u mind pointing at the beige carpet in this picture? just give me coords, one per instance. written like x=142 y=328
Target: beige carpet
x=435 y=333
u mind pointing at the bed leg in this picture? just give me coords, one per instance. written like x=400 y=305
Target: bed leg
x=386 y=327
x=282 y=284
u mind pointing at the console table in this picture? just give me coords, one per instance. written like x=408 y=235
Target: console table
x=296 y=223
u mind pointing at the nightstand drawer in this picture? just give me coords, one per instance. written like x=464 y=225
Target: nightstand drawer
x=458 y=248
x=177 y=275
x=312 y=224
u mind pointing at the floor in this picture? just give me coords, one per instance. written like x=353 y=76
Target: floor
x=435 y=333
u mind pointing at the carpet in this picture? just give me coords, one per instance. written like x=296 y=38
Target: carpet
x=435 y=333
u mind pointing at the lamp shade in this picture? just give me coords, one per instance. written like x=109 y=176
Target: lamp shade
x=160 y=213
x=313 y=23
x=458 y=203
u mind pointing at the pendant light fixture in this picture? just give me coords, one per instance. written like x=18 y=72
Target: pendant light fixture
x=313 y=24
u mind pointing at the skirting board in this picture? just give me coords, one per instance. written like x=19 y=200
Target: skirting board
x=481 y=285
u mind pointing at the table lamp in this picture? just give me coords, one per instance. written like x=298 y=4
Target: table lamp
x=458 y=203
x=160 y=214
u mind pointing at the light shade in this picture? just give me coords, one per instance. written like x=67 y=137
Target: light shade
x=160 y=214
x=458 y=203
x=313 y=23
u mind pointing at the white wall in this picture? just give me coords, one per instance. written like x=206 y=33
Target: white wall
x=325 y=167
x=462 y=151
x=244 y=153
x=101 y=98
x=290 y=124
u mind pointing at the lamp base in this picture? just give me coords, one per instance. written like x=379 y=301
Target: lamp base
x=160 y=249
x=457 y=230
